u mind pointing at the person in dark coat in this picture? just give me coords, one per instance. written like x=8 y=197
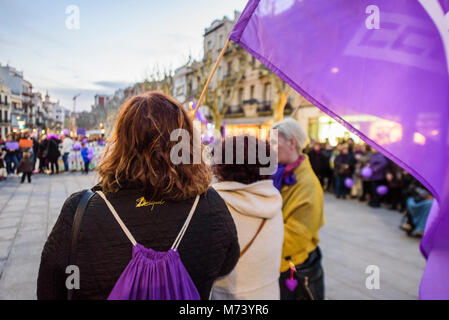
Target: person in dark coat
x=328 y=173
x=26 y=166
x=53 y=154
x=153 y=197
x=317 y=160
x=42 y=154
x=344 y=168
x=394 y=176
x=378 y=164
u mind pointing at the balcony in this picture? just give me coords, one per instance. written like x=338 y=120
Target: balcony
x=235 y=111
x=264 y=106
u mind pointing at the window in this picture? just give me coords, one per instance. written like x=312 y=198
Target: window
x=6 y=115
x=220 y=73
x=220 y=41
x=267 y=92
x=229 y=68
x=209 y=45
x=240 y=96
x=251 y=96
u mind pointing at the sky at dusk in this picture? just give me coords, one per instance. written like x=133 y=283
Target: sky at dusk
x=117 y=44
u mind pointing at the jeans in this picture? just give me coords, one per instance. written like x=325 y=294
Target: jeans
x=86 y=167
x=418 y=212
x=340 y=188
x=310 y=277
x=33 y=160
x=65 y=157
x=11 y=159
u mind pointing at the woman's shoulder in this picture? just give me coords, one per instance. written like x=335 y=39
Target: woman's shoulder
x=71 y=203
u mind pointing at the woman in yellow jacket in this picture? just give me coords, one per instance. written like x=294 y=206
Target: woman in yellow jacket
x=302 y=276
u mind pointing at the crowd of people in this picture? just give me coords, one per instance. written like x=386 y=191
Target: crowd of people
x=220 y=231
x=26 y=154
x=341 y=170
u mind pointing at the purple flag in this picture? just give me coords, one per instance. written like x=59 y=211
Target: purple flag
x=380 y=68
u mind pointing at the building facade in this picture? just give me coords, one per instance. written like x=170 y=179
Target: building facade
x=5 y=110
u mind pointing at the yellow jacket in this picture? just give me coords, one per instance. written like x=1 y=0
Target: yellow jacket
x=302 y=210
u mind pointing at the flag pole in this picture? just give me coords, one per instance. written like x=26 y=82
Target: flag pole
x=210 y=77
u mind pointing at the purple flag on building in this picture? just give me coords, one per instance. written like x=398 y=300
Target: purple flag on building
x=380 y=68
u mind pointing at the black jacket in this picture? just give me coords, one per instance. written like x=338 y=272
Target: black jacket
x=53 y=150
x=208 y=250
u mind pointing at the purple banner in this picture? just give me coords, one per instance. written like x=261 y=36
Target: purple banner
x=12 y=145
x=381 y=60
x=80 y=131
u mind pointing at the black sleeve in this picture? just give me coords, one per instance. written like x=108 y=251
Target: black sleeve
x=55 y=255
x=230 y=232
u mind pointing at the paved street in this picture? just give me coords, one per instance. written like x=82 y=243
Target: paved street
x=354 y=237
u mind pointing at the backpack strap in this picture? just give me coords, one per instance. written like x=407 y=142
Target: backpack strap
x=254 y=238
x=79 y=213
x=117 y=217
x=186 y=224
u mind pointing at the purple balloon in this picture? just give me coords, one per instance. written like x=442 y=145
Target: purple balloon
x=349 y=183
x=76 y=146
x=85 y=140
x=382 y=190
x=90 y=156
x=367 y=172
x=66 y=132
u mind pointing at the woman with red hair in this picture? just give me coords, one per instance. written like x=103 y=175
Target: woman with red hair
x=143 y=197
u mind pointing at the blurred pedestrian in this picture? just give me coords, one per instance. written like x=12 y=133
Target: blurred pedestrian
x=344 y=167
x=393 y=176
x=256 y=207
x=318 y=161
x=302 y=210
x=85 y=156
x=3 y=172
x=67 y=147
x=12 y=150
x=35 y=151
x=26 y=166
x=418 y=205
x=378 y=164
x=53 y=154
x=152 y=229
x=42 y=154
x=363 y=161
x=328 y=172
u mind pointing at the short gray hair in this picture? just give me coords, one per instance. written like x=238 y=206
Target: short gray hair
x=290 y=128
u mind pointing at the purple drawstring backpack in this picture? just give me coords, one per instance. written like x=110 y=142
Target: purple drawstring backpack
x=154 y=275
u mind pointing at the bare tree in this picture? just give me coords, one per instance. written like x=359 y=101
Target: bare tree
x=222 y=90
x=158 y=79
